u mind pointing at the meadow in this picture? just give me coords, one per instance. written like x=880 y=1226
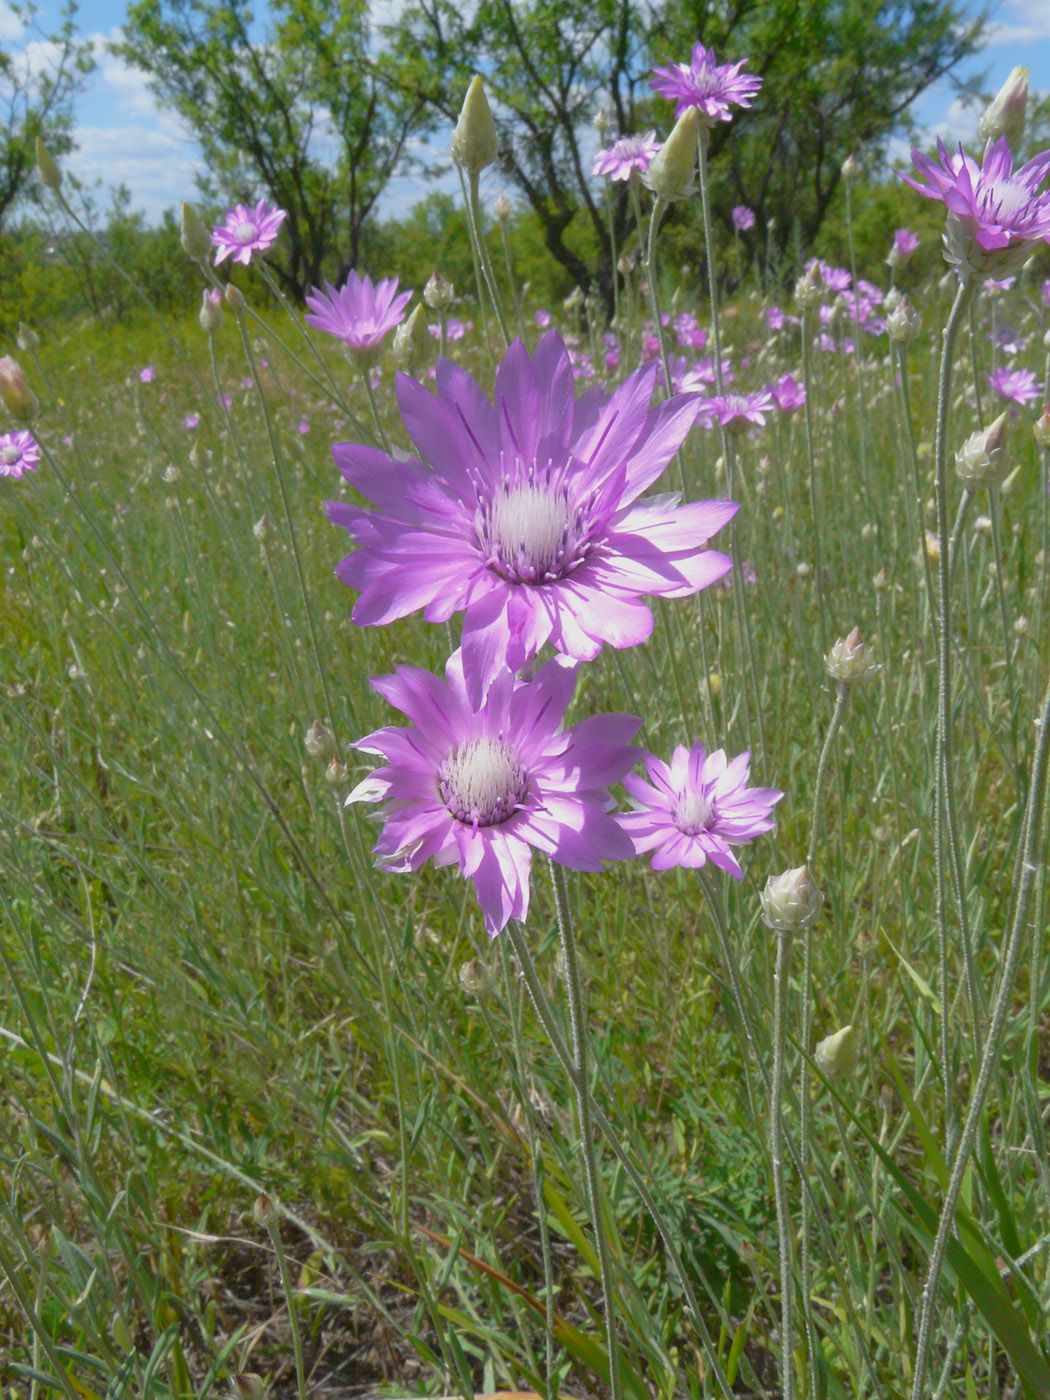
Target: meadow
x=278 y=1122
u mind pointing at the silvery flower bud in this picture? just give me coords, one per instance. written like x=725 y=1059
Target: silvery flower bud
x=319 y=740
x=15 y=393
x=850 y=661
x=261 y=529
x=903 y=323
x=791 y=901
x=412 y=343
x=838 y=1055
x=234 y=298
x=194 y=237
x=670 y=175
x=602 y=124
x=475 y=978
x=809 y=289
x=892 y=300
x=47 y=166
x=850 y=168
x=475 y=141
x=502 y=208
x=1041 y=427
x=210 y=314
x=1005 y=114
x=438 y=292
x=337 y=775
x=982 y=461
x=27 y=339
x=265 y=1212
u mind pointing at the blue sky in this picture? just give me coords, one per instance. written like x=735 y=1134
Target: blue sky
x=123 y=135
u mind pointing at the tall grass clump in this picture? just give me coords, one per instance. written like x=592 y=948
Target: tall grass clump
x=754 y=590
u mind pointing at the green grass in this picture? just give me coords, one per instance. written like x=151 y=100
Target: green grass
x=209 y=993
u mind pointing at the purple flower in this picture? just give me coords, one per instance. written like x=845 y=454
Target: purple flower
x=738 y=412
x=743 y=218
x=1017 y=386
x=692 y=811
x=480 y=784
x=708 y=86
x=542 y=319
x=787 y=394
x=627 y=155
x=525 y=512
x=835 y=279
x=995 y=215
x=1044 y=292
x=359 y=313
x=191 y=421
x=18 y=454
x=246 y=231
x=904 y=244
x=148 y=374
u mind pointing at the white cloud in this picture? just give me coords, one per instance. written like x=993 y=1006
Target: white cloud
x=157 y=167
x=11 y=26
x=1025 y=22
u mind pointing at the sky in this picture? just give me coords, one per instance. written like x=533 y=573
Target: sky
x=124 y=136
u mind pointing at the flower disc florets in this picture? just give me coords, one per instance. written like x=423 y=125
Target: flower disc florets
x=627 y=155
x=526 y=513
x=246 y=231
x=18 y=454
x=480 y=785
x=711 y=87
x=996 y=215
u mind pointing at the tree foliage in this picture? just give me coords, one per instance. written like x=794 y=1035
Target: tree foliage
x=295 y=111
x=37 y=85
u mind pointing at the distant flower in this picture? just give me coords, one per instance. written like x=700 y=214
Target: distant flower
x=359 y=314
x=743 y=218
x=246 y=231
x=542 y=319
x=525 y=512
x=904 y=244
x=835 y=279
x=303 y=427
x=994 y=214
x=18 y=454
x=191 y=421
x=738 y=412
x=481 y=784
x=148 y=374
x=787 y=394
x=692 y=810
x=1044 y=291
x=708 y=86
x=1016 y=386
x=627 y=155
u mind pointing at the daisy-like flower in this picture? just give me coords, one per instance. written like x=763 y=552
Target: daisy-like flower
x=148 y=374
x=480 y=785
x=525 y=512
x=692 y=810
x=743 y=218
x=996 y=214
x=359 y=313
x=904 y=244
x=1015 y=386
x=18 y=454
x=787 y=394
x=627 y=155
x=246 y=231
x=738 y=412
x=708 y=86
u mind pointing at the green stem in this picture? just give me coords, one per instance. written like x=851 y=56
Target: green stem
x=273 y=1230
x=474 y=219
x=776 y=1149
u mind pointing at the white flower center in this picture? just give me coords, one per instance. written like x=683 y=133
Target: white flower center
x=482 y=782
x=530 y=533
x=693 y=813
x=10 y=454
x=244 y=231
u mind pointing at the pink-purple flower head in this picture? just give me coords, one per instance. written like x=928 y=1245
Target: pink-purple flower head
x=743 y=218
x=692 y=810
x=526 y=512
x=18 y=454
x=712 y=88
x=480 y=785
x=359 y=314
x=246 y=231
x=737 y=413
x=995 y=214
x=626 y=156
x=1015 y=386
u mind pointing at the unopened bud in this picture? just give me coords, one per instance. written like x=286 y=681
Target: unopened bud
x=27 y=339
x=475 y=978
x=850 y=168
x=249 y=1386
x=881 y=581
x=1041 y=427
x=261 y=529
x=982 y=461
x=903 y=323
x=210 y=314
x=1005 y=114
x=602 y=124
x=1022 y=626
x=336 y=775
x=475 y=141
x=850 y=661
x=809 y=289
x=412 y=343
x=48 y=167
x=265 y=1212
x=838 y=1055
x=891 y=300
x=438 y=292
x=234 y=298
x=502 y=208
x=791 y=901
x=194 y=237
x=670 y=174
x=15 y=393
x=319 y=739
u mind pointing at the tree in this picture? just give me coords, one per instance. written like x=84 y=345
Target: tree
x=37 y=87
x=838 y=75
x=297 y=113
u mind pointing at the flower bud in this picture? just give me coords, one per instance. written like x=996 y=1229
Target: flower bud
x=47 y=166
x=892 y=300
x=502 y=208
x=265 y=1212
x=850 y=168
x=210 y=314
x=903 y=323
x=234 y=298
x=438 y=292
x=475 y=978
x=982 y=461
x=1005 y=115
x=15 y=393
x=261 y=529
x=838 y=1055
x=319 y=739
x=27 y=340
x=809 y=289
x=475 y=141
x=850 y=661
x=194 y=237
x=412 y=343
x=1041 y=427
x=670 y=174
x=336 y=775
x=602 y=124
x=791 y=901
